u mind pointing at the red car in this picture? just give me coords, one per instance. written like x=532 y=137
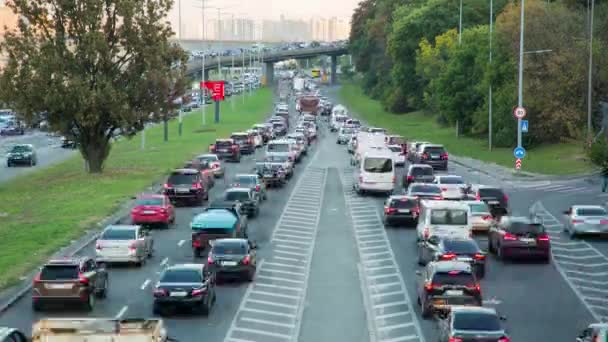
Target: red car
x=153 y=209
x=518 y=237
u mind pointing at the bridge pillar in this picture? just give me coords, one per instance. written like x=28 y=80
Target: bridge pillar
x=207 y=74
x=269 y=73
x=334 y=67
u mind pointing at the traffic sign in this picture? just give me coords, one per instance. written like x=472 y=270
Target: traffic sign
x=518 y=164
x=524 y=126
x=216 y=88
x=519 y=112
x=519 y=152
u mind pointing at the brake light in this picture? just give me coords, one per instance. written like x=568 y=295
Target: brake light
x=197 y=186
x=209 y=259
x=444 y=189
x=163 y=210
x=426 y=232
x=389 y=210
x=133 y=246
x=479 y=256
x=198 y=292
x=510 y=237
x=448 y=256
x=504 y=339
x=82 y=279
x=258 y=188
x=475 y=287
x=444 y=156
x=478 y=196
x=98 y=246
x=455 y=339
x=410 y=178
x=543 y=237
x=603 y=221
x=215 y=165
x=437 y=198
x=506 y=198
x=167 y=186
x=212 y=148
x=577 y=221
x=37 y=278
x=160 y=292
x=246 y=260
x=196 y=243
x=235 y=147
x=425 y=156
x=487 y=217
x=430 y=286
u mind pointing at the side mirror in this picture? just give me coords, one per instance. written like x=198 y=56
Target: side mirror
x=418 y=273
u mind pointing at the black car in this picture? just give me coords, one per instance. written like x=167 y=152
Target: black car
x=443 y=284
x=494 y=197
x=12 y=129
x=245 y=142
x=68 y=143
x=187 y=185
x=233 y=258
x=252 y=181
x=401 y=209
x=23 y=154
x=226 y=149
x=279 y=129
x=418 y=173
x=459 y=249
x=425 y=191
x=247 y=197
x=433 y=155
x=190 y=286
x=272 y=174
x=475 y=324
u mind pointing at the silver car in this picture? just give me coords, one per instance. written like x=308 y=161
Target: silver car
x=586 y=219
x=345 y=134
x=124 y=244
x=452 y=187
x=215 y=163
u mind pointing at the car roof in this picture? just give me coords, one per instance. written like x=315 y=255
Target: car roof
x=143 y=196
x=23 y=145
x=239 y=133
x=447 y=266
x=432 y=145
x=588 y=207
x=281 y=141
x=219 y=219
x=517 y=219
x=219 y=241
x=224 y=140
x=401 y=197
x=445 y=205
x=74 y=260
x=186 y=171
x=426 y=166
x=122 y=226
x=473 y=309
x=196 y=267
x=238 y=189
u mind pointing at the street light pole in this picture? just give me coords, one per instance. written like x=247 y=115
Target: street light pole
x=179 y=5
x=490 y=90
x=590 y=77
x=219 y=36
x=203 y=101
x=520 y=82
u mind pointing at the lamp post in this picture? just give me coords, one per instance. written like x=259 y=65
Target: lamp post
x=490 y=87
x=180 y=124
x=590 y=76
x=520 y=81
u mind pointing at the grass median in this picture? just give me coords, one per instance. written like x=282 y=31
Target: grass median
x=558 y=159
x=45 y=210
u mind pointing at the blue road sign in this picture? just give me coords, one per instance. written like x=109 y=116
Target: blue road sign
x=524 y=126
x=519 y=152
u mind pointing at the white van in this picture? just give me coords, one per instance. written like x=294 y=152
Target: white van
x=444 y=219
x=375 y=172
x=282 y=147
x=337 y=121
x=365 y=142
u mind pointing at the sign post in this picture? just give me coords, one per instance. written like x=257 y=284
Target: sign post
x=517 y=164
x=217 y=95
x=519 y=113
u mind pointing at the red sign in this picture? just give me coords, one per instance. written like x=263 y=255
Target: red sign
x=216 y=88
x=518 y=164
x=519 y=112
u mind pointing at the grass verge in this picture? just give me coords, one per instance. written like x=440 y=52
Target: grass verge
x=44 y=210
x=558 y=159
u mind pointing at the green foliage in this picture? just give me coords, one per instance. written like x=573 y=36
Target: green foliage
x=93 y=66
x=598 y=153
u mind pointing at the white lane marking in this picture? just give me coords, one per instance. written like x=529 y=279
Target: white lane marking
x=283 y=265
x=272 y=294
x=165 y=261
x=294 y=247
x=292 y=241
x=279 y=279
x=401 y=339
x=380 y=295
x=263 y=321
x=286 y=258
x=281 y=287
x=577 y=257
x=145 y=284
x=270 y=313
x=122 y=312
x=391 y=315
x=266 y=302
x=397 y=326
x=388 y=305
x=238 y=340
x=290 y=236
x=296 y=231
x=181 y=242
x=272 y=270
x=260 y=332
x=290 y=253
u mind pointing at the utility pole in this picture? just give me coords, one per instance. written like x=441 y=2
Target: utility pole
x=590 y=77
x=520 y=82
x=490 y=90
x=179 y=4
x=203 y=101
x=219 y=55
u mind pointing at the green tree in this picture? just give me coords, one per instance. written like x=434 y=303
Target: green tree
x=93 y=66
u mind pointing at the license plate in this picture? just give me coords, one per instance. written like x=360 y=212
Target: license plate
x=179 y=294
x=223 y=150
x=183 y=190
x=149 y=212
x=229 y=263
x=268 y=175
x=465 y=259
x=435 y=156
x=493 y=202
x=453 y=293
x=404 y=210
x=528 y=241
x=439 y=302
x=58 y=286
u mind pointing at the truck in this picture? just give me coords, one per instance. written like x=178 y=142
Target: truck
x=100 y=329
x=309 y=104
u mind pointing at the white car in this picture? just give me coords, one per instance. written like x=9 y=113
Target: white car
x=258 y=141
x=398 y=155
x=452 y=187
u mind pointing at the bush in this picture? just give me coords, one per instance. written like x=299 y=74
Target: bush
x=598 y=152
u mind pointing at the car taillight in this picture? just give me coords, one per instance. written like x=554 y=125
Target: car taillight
x=448 y=256
x=410 y=178
x=246 y=260
x=98 y=246
x=198 y=292
x=603 y=221
x=510 y=237
x=544 y=237
x=160 y=292
x=425 y=156
x=487 y=217
x=209 y=259
x=478 y=196
x=389 y=210
x=196 y=243
x=577 y=221
x=163 y=210
x=133 y=246
x=444 y=156
x=426 y=232
x=455 y=339
x=197 y=186
x=37 y=278
x=505 y=197
x=430 y=286
x=479 y=256
x=504 y=339
x=82 y=279
x=215 y=165
x=167 y=186
x=444 y=189
x=258 y=188
x=235 y=147
x=438 y=198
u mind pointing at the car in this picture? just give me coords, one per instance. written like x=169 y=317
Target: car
x=400 y=209
x=68 y=143
x=21 y=154
x=258 y=141
x=481 y=218
x=220 y=220
x=586 y=219
x=233 y=257
x=77 y=280
x=272 y=174
x=12 y=129
x=207 y=177
x=301 y=140
x=247 y=197
x=452 y=187
x=443 y=219
x=279 y=129
x=12 y=335
x=252 y=181
x=286 y=163
x=152 y=209
x=186 y=185
x=344 y=135
x=418 y=173
x=214 y=161
x=494 y=197
x=425 y=191
x=190 y=286
x=265 y=131
x=245 y=141
x=593 y=333
x=351 y=147
x=124 y=244
x=519 y=237
x=434 y=155
x=398 y=154
x=475 y=324
x=413 y=149
x=226 y=149
x=442 y=284
x=396 y=140
x=459 y=249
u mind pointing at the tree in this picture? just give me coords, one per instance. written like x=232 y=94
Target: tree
x=94 y=67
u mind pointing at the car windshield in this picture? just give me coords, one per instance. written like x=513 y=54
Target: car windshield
x=207 y=158
x=282 y=148
x=149 y=201
x=223 y=143
x=180 y=178
x=378 y=165
x=21 y=149
x=427 y=189
x=237 y=196
x=245 y=180
x=434 y=150
x=119 y=234
x=59 y=272
x=479 y=208
x=449 y=216
x=395 y=148
x=460 y=246
x=525 y=228
x=231 y=247
x=347 y=131
x=403 y=203
x=591 y=212
x=239 y=137
x=454 y=278
x=422 y=171
x=340 y=118
x=278 y=159
x=181 y=276
x=489 y=192
x=478 y=321
x=451 y=180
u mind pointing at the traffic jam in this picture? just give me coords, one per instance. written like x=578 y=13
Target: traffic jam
x=457 y=225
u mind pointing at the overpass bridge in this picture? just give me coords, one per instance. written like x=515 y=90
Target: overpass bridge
x=268 y=59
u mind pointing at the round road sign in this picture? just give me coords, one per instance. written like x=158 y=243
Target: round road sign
x=519 y=112
x=519 y=152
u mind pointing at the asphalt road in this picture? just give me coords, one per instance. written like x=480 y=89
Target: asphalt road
x=330 y=271
x=48 y=150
